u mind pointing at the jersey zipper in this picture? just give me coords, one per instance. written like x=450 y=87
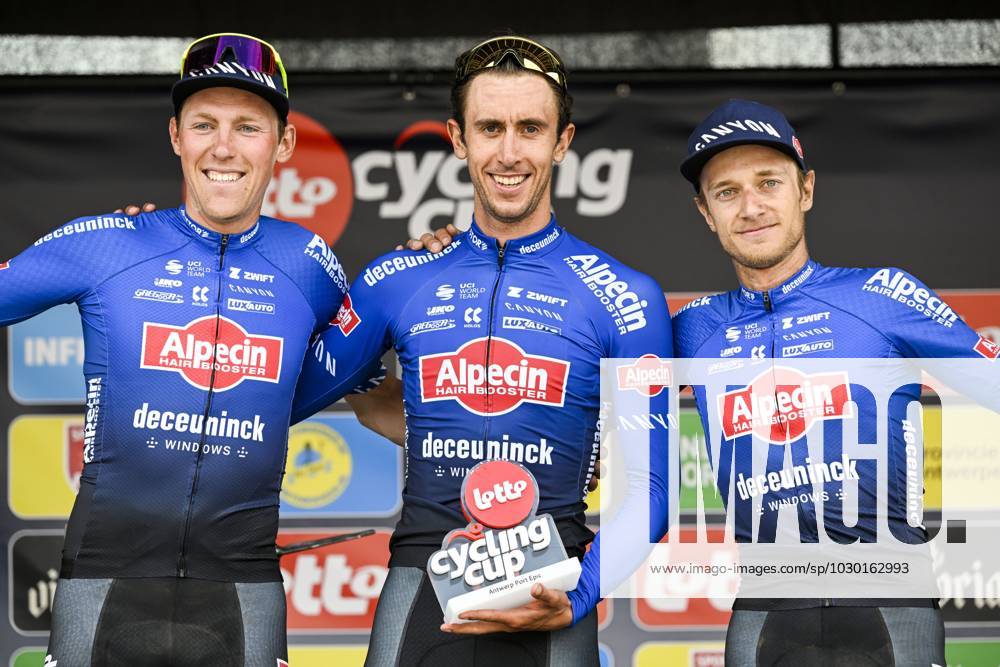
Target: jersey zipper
x=489 y=340
x=182 y=556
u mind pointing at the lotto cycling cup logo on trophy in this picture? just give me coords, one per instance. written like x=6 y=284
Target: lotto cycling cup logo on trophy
x=506 y=548
x=315 y=188
x=781 y=404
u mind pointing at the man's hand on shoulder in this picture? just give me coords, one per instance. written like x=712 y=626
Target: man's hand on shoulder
x=133 y=209
x=435 y=242
x=550 y=610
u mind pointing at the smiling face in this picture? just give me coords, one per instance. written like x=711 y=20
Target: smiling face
x=228 y=142
x=510 y=142
x=752 y=198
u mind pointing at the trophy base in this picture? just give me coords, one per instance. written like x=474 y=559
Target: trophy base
x=516 y=591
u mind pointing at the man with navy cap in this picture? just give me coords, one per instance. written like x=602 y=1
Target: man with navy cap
x=196 y=321
x=753 y=189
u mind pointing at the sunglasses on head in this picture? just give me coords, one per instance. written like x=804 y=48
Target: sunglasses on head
x=230 y=47
x=529 y=55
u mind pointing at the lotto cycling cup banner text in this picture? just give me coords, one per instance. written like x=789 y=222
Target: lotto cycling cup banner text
x=334 y=589
x=821 y=466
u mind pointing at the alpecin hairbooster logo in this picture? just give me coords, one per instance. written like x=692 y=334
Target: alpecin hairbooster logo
x=196 y=351
x=495 y=561
x=347 y=318
x=511 y=377
x=781 y=404
x=649 y=375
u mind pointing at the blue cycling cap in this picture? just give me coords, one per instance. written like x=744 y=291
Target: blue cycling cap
x=739 y=122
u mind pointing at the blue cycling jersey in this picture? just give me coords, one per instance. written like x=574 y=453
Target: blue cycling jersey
x=823 y=312
x=501 y=352
x=194 y=341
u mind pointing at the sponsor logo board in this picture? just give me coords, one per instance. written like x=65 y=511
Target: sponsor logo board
x=334 y=589
x=34 y=557
x=333 y=465
x=45 y=459
x=45 y=358
x=972 y=652
x=324 y=656
x=315 y=188
x=686 y=654
x=702 y=600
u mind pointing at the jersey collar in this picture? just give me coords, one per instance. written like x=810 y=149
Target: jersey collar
x=783 y=291
x=187 y=224
x=533 y=245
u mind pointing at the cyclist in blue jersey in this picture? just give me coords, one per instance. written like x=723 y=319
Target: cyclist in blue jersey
x=753 y=189
x=500 y=336
x=196 y=321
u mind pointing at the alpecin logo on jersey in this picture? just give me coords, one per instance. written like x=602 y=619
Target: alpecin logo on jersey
x=648 y=375
x=194 y=351
x=781 y=404
x=511 y=378
x=987 y=348
x=347 y=318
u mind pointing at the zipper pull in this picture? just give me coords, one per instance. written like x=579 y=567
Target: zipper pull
x=224 y=241
x=503 y=249
x=767 y=301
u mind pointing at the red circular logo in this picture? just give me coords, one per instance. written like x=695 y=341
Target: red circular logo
x=315 y=188
x=499 y=494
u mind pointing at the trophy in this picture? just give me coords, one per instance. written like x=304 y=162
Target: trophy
x=505 y=550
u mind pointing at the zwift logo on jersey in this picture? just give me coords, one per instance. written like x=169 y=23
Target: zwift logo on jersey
x=781 y=404
x=195 y=352
x=512 y=377
x=899 y=287
x=625 y=306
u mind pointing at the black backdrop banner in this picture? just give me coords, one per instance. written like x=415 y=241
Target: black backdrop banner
x=907 y=176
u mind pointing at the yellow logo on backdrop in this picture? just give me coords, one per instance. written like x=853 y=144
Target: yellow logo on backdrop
x=324 y=656
x=45 y=456
x=318 y=468
x=682 y=654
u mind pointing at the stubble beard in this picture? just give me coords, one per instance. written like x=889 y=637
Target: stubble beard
x=764 y=260
x=529 y=208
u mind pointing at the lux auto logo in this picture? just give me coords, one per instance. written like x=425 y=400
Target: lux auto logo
x=782 y=403
x=511 y=377
x=195 y=351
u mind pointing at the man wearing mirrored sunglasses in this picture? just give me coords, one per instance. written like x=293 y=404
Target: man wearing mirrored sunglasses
x=196 y=321
x=526 y=311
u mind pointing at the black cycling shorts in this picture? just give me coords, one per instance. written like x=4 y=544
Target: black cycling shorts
x=407 y=633
x=167 y=621
x=836 y=637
